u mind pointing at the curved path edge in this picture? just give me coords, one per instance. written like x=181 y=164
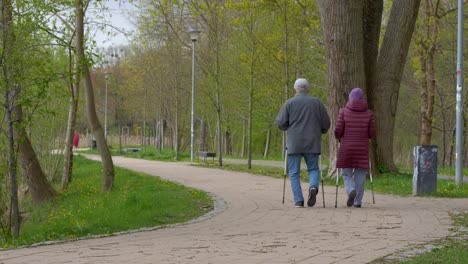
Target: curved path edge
x=255 y=227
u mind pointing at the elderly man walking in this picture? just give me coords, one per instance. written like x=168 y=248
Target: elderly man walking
x=305 y=119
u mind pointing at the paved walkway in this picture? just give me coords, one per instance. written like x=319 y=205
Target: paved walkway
x=255 y=227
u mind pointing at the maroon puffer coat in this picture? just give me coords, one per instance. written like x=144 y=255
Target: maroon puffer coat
x=354 y=127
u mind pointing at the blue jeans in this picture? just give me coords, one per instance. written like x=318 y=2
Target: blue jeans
x=294 y=168
x=354 y=179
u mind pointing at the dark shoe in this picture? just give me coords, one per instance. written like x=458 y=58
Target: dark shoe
x=351 y=197
x=312 y=197
x=357 y=206
x=299 y=204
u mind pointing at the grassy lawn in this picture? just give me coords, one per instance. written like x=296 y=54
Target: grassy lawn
x=453 y=250
x=136 y=201
x=389 y=183
x=449 y=171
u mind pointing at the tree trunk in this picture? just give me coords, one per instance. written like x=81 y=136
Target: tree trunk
x=218 y=95
x=351 y=33
x=38 y=185
x=68 y=149
x=444 y=127
x=107 y=163
x=452 y=146
x=372 y=14
x=176 y=126
x=162 y=134
x=227 y=142
x=427 y=43
x=8 y=39
x=250 y=103
x=71 y=124
x=286 y=64
x=387 y=79
x=202 y=145
x=12 y=172
x=343 y=31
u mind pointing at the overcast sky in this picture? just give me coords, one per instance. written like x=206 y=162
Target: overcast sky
x=117 y=15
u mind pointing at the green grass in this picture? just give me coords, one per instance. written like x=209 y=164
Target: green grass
x=453 y=250
x=136 y=201
x=389 y=183
x=449 y=171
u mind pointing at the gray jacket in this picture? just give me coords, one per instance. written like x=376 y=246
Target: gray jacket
x=305 y=119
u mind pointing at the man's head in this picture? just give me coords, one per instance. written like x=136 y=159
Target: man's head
x=356 y=94
x=301 y=85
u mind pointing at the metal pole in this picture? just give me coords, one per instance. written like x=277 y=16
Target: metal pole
x=105 y=111
x=285 y=172
x=192 y=132
x=459 y=111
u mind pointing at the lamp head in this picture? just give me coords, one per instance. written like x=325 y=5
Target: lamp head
x=194 y=34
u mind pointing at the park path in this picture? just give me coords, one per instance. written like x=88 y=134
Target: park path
x=253 y=226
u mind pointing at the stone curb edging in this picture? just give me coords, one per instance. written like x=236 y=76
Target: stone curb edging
x=219 y=207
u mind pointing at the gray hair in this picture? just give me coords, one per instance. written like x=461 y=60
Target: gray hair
x=301 y=85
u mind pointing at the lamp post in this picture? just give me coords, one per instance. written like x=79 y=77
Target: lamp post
x=459 y=100
x=193 y=36
x=106 y=76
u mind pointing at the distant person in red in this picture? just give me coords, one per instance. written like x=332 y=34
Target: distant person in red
x=76 y=140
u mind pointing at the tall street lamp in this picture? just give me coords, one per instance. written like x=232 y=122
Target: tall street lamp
x=459 y=100
x=106 y=76
x=194 y=36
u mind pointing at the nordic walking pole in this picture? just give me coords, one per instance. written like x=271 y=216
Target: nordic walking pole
x=285 y=170
x=321 y=179
x=337 y=176
x=337 y=179
x=371 y=181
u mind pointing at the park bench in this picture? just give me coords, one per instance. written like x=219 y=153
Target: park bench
x=131 y=149
x=206 y=154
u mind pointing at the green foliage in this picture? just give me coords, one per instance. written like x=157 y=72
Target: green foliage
x=382 y=168
x=136 y=201
x=450 y=171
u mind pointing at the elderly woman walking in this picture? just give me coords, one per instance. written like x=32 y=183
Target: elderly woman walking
x=354 y=127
